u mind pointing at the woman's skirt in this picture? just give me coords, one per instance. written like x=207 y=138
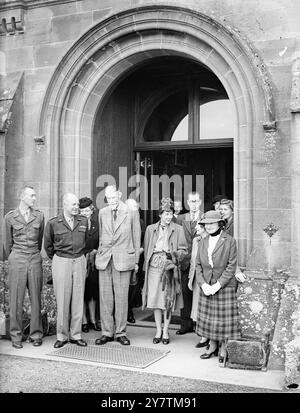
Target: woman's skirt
x=218 y=317
x=91 y=290
x=155 y=295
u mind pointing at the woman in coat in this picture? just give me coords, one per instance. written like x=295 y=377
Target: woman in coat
x=164 y=248
x=91 y=292
x=218 y=318
x=226 y=211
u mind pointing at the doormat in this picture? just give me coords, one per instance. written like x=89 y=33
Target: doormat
x=175 y=319
x=112 y=353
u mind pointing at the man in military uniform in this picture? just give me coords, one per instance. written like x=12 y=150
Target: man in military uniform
x=64 y=243
x=23 y=235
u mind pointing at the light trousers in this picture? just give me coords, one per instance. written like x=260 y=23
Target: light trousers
x=68 y=282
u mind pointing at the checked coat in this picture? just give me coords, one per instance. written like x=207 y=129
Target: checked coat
x=217 y=317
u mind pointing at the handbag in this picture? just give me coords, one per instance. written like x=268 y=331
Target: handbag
x=133 y=278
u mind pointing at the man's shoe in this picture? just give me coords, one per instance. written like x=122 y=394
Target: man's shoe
x=17 y=344
x=37 y=342
x=123 y=340
x=182 y=331
x=85 y=328
x=59 y=343
x=103 y=340
x=79 y=342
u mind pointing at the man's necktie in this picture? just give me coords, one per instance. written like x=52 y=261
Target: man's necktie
x=26 y=215
x=115 y=214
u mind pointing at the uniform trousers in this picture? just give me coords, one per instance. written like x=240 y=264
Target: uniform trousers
x=69 y=276
x=113 y=291
x=25 y=270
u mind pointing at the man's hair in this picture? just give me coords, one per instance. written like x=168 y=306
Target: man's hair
x=23 y=189
x=66 y=196
x=111 y=188
x=194 y=193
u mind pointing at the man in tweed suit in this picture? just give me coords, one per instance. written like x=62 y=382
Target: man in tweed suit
x=117 y=257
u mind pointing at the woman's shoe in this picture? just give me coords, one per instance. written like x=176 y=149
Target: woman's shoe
x=165 y=340
x=156 y=340
x=203 y=344
x=85 y=328
x=208 y=355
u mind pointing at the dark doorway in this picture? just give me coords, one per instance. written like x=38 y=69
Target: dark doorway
x=214 y=164
x=170 y=116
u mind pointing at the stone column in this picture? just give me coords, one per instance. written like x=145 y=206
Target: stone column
x=285 y=332
x=2 y=187
x=295 y=170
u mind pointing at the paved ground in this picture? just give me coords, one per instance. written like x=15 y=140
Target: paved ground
x=37 y=370
x=24 y=374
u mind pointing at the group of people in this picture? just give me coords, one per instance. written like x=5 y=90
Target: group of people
x=188 y=262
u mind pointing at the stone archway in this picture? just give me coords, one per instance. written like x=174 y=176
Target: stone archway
x=86 y=74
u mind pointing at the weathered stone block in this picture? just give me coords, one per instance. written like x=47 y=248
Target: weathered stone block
x=70 y=27
x=248 y=354
x=50 y=54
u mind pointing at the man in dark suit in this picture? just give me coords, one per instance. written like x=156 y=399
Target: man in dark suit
x=118 y=255
x=135 y=288
x=188 y=222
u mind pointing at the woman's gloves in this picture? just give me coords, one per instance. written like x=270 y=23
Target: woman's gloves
x=211 y=289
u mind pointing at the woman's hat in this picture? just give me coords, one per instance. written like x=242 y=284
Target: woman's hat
x=210 y=217
x=85 y=202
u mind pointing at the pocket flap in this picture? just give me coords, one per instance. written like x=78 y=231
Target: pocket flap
x=18 y=226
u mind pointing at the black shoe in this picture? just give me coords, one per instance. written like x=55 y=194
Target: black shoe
x=203 y=344
x=85 y=328
x=59 y=343
x=182 y=331
x=157 y=340
x=37 y=342
x=79 y=342
x=208 y=355
x=123 y=340
x=95 y=326
x=131 y=318
x=17 y=344
x=103 y=340
x=165 y=340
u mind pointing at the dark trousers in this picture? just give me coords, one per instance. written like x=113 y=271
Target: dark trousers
x=25 y=271
x=187 y=294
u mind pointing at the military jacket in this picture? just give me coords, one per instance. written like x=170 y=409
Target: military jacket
x=21 y=236
x=63 y=241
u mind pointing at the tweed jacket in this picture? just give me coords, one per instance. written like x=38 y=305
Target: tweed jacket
x=189 y=232
x=120 y=241
x=224 y=257
x=176 y=240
